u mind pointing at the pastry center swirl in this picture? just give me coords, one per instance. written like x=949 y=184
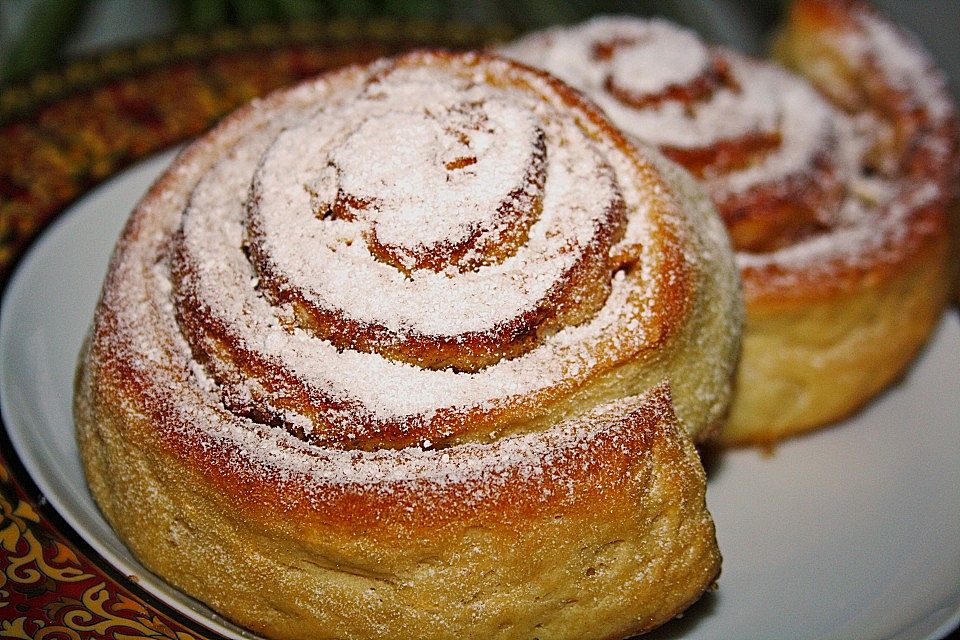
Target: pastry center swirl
x=773 y=153
x=437 y=252
x=443 y=224
x=462 y=192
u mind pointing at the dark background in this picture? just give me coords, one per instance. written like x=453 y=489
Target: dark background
x=41 y=33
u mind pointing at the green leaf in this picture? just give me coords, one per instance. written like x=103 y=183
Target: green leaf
x=299 y=9
x=251 y=12
x=203 y=15
x=43 y=37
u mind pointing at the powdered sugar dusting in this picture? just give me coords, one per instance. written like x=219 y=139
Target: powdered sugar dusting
x=864 y=219
x=903 y=62
x=413 y=187
x=861 y=236
x=756 y=100
x=333 y=257
x=729 y=114
x=199 y=316
x=649 y=61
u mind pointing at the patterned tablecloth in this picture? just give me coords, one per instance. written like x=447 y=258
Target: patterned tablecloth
x=68 y=130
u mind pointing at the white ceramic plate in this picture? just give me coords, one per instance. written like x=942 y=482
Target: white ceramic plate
x=853 y=532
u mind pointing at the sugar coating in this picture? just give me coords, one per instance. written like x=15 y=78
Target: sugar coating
x=875 y=212
x=902 y=60
x=652 y=62
x=420 y=204
x=186 y=257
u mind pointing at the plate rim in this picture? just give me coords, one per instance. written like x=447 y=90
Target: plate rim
x=63 y=518
x=53 y=519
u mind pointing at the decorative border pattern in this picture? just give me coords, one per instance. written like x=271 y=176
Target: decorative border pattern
x=62 y=133
x=50 y=589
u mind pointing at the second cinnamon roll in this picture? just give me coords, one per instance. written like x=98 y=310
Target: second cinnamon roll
x=839 y=194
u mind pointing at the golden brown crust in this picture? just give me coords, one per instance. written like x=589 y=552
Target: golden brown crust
x=841 y=46
x=522 y=561
x=411 y=501
x=653 y=322
x=835 y=348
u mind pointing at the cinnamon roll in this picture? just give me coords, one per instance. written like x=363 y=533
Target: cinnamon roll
x=838 y=190
x=416 y=349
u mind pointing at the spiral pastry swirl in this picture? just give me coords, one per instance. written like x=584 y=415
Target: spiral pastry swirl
x=494 y=234
x=386 y=336
x=774 y=155
x=837 y=194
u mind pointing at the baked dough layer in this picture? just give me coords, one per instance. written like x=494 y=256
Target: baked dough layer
x=573 y=510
